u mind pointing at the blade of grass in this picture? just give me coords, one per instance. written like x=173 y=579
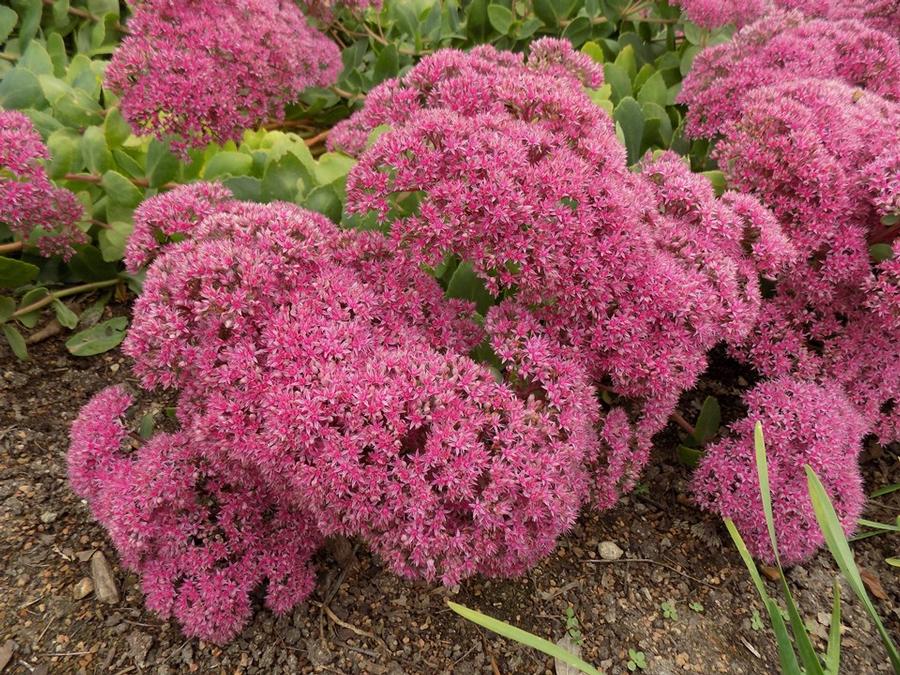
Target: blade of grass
x=801 y=636
x=833 y=653
x=887 y=489
x=840 y=549
x=523 y=637
x=786 y=655
x=875 y=525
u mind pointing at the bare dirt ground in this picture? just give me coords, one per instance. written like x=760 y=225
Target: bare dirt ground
x=376 y=623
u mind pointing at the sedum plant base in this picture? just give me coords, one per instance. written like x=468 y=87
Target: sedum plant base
x=510 y=310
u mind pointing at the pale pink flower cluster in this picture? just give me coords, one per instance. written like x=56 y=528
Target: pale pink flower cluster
x=202 y=531
x=193 y=72
x=803 y=423
x=521 y=175
x=329 y=367
x=882 y=14
x=30 y=204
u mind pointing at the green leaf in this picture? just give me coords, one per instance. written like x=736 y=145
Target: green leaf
x=523 y=637
x=619 y=81
x=833 y=652
x=16 y=341
x=501 y=18
x=64 y=315
x=94 y=312
x=286 y=179
x=593 y=50
x=333 y=166
x=65 y=152
x=786 y=655
x=881 y=252
x=717 y=178
x=99 y=339
x=34 y=295
x=630 y=118
x=97 y=156
x=689 y=457
x=626 y=60
x=228 y=164
x=654 y=90
x=115 y=128
x=15 y=273
x=8 y=20
x=578 y=30
x=88 y=264
x=162 y=164
x=386 y=65
x=113 y=239
x=801 y=636
x=148 y=423
x=120 y=190
x=7 y=307
x=840 y=550
x=36 y=59
x=19 y=89
x=708 y=421
x=887 y=489
x=466 y=285
x=325 y=200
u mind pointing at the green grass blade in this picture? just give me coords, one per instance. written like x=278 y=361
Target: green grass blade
x=786 y=655
x=523 y=637
x=833 y=653
x=801 y=637
x=887 y=489
x=808 y=655
x=875 y=525
x=840 y=549
x=762 y=469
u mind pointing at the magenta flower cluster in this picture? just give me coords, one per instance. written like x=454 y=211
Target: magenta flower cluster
x=522 y=176
x=821 y=151
x=202 y=531
x=805 y=112
x=31 y=206
x=882 y=14
x=196 y=72
x=804 y=424
x=322 y=377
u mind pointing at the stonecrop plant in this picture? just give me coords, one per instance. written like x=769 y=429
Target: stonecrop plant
x=460 y=321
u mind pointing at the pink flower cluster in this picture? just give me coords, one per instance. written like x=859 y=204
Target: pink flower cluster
x=803 y=423
x=780 y=47
x=805 y=112
x=522 y=176
x=203 y=532
x=328 y=368
x=882 y=14
x=194 y=72
x=30 y=204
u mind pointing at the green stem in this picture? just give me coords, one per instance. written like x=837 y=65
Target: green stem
x=84 y=14
x=56 y=295
x=9 y=56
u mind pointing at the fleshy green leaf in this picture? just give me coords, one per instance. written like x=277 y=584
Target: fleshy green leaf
x=16 y=341
x=99 y=339
x=15 y=273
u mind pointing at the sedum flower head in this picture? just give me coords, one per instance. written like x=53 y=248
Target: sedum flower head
x=804 y=424
x=197 y=72
x=30 y=204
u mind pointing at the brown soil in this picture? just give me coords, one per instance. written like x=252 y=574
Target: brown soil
x=378 y=623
